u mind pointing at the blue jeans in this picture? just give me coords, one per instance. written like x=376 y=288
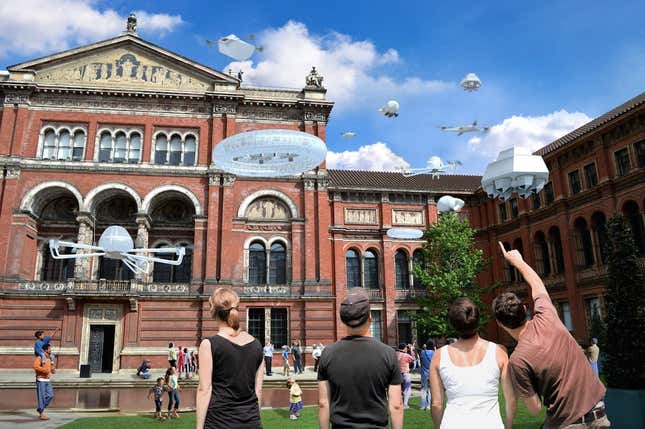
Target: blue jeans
x=406 y=386
x=145 y=374
x=425 y=389
x=173 y=396
x=45 y=394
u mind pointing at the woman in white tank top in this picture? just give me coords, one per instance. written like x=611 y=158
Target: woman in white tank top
x=468 y=373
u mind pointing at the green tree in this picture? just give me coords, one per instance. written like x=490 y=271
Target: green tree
x=448 y=270
x=625 y=300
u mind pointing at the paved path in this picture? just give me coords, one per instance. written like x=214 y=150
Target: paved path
x=28 y=419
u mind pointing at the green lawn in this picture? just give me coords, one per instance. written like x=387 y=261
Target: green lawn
x=278 y=419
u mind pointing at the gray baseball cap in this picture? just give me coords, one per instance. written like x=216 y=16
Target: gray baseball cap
x=355 y=309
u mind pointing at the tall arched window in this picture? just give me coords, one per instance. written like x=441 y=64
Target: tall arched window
x=165 y=273
x=633 y=216
x=62 y=144
x=278 y=264
x=556 y=244
x=541 y=250
x=584 y=245
x=402 y=270
x=257 y=264
x=418 y=261
x=370 y=267
x=599 y=228
x=353 y=268
x=56 y=270
x=119 y=146
x=175 y=148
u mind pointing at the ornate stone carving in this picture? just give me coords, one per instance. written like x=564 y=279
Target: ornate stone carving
x=133 y=304
x=214 y=179
x=267 y=209
x=315 y=116
x=167 y=288
x=267 y=228
x=71 y=304
x=228 y=179
x=266 y=290
x=361 y=216
x=122 y=67
x=323 y=184
x=85 y=236
x=407 y=217
x=43 y=286
x=228 y=108
x=131 y=26
x=13 y=172
x=314 y=80
x=269 y=113
x=16 y=97
x=309 y=184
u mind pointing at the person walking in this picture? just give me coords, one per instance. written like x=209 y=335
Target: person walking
x=268 y=356
x=296 y=351
x=548 y=365
x=359 y=379
x=425 y=357
x=469 y=372
x=285 y=360
x=157 y=392
x=44 y=371
x=172 y=355
x=593 y=353
x=181 y=360
x=229 y=392
x=187 y=364
x=405 y=359
x=315 y=354
x=173 y=392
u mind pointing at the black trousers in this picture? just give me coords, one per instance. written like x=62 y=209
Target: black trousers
x=267 y=364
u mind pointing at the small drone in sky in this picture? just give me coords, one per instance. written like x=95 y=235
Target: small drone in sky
x=472 y=128
x=435 y=167
x=391 y=109
x=234 y=47
x=471 y=82
x=348 y=134
x=116 y=243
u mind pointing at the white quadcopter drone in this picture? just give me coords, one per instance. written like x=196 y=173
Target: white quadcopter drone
x=435 y=168
x=116 y=243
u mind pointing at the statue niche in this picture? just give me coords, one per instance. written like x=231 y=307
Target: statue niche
x=270 y=209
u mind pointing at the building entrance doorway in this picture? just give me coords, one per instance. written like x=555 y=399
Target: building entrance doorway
x=101 y=348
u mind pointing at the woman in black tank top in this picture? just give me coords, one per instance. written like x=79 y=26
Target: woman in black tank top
x=231 y=371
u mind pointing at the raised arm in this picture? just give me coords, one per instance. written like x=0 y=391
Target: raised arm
x=510 y=398
x=204 y=388
x=436 y=390
x=514 y=257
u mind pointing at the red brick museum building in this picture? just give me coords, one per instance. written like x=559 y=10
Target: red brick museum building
x=121 y=132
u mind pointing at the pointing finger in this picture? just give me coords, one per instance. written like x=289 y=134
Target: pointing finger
x=502 y=247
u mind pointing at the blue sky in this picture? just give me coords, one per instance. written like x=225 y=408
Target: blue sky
x=547 y=67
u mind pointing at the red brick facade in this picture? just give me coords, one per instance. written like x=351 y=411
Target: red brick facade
x=319 y=218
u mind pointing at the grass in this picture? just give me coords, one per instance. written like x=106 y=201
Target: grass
x=279 y=419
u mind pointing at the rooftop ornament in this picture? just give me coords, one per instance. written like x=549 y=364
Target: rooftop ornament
x=131 y=26
x=314 y=80
x=405 y=233
x=269 y=153
x=116 y=243
x=515 y=170
x=449 y=203
x=471 y=82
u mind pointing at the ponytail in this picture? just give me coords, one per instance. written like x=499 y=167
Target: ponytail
x=224 y=307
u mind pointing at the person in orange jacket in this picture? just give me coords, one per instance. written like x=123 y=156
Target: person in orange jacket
x=44 y=389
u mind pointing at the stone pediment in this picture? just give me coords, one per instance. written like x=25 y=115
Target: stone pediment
x=124 y=62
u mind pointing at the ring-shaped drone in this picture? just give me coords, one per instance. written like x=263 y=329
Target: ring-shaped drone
x=116 y=243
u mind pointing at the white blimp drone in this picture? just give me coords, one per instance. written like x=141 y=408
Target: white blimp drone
x=471 y=82
x=515 y=170
x=472 y=128
x=404 y=233
x=391 y=109
x=234 y=47
x=348 y=134
x=447 y=204
x=434 y=167
x=269 y=153
x=116 y=243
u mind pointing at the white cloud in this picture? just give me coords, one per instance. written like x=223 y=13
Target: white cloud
x=532 y=132
x=376 y=157
x=36 y=27
x=351 y=68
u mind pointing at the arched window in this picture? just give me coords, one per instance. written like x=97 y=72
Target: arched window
x=541 y=250
x=62 y=145
x=56 y=270
x=556 y=245
x=120 y=146
x=402 y=270
x=257 y=264
x=278 y=264
x=166 y=273
x=599 y=228
x=113 y=269
x=176 y=149
x=370 y=267
x=418 y=261
x=353 y=268
x=584 y=245
x=633 y=216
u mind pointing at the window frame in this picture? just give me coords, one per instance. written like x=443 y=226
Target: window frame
x=373 y=282
x=587 y=168
x=503 y=212
x=620 y=171
x=184 y=136
x=114 y=132
x=58 y=129
x=575 y=184
x=355 y=275
x=401 y=270
x=515 y=207
x=549 y=193
x=639 y=151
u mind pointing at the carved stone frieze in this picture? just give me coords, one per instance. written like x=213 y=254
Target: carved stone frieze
x=214 y=179
x=228 y=108
x=248 y=111
x=168 y=288
x=43 y=286
x=309 y=184
x=267 y=209
x=266 y=290
x=315 y=116
x=361 y=216
x=16 y=97
x=267 y=228
x=407 y=217
x=228 y=179
x=13 y=172
x=323 y=184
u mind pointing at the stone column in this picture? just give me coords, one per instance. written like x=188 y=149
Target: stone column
x=141 y=242
x=82 y=266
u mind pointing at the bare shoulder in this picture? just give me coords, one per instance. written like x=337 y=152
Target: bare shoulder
x=436 y=357
x=206 y=343
x=501 y=355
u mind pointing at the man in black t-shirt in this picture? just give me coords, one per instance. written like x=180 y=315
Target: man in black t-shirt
x=359 y=378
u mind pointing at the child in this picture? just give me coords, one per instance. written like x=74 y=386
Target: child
x=41 y=341
x=187 y=362
x=295 y=398
x=157 y=390
x=285 y=360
